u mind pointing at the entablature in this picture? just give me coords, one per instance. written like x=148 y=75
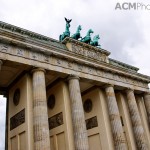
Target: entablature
x=63 y=57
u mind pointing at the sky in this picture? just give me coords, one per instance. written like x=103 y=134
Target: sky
x=125 y=33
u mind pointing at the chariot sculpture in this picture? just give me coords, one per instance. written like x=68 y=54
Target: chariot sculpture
x=87 y=39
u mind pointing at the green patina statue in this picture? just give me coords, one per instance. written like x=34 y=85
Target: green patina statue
x=67 y=32
x=94 y=42
x=76 y=36
x=87 y=38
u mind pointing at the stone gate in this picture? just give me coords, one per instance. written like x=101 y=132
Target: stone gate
x=70 y=95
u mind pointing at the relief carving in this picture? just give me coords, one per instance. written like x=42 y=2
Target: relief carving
x=69 y=64
x=107 y=75
x=91 y=123
x=33 y=55
x=17 y=119
x=58 y=61
x=88 y=53
x=46 y=58
x=20 y=52
x=80 y=67
x=4 y=48
x=89 y=69
x=55 y=121
x=122 y=78
x=99 y=72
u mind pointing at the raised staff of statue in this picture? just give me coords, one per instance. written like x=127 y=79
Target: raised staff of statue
x=67 y=32
x=87 y=38
x=94 y=42
x=77 y=35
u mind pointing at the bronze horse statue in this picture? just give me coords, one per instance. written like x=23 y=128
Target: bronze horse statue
x=94 y=42
x=87 y=38
x=77 y=35
x=67 y=32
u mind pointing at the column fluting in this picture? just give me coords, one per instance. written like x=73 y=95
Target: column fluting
x=147 y=105
x=138 y=129
x=78 y=118
x=116 y=126
x=40 y=113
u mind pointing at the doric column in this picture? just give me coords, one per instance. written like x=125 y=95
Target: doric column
x=40 y=113
x=78 y=118
x=147 y=105
x=116 y=126
x=136 y=121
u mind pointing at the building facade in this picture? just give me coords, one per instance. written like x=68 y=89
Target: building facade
x=70 y=95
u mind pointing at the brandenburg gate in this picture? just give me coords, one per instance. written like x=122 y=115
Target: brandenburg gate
x=70 y=95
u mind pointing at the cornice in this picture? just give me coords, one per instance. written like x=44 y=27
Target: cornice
x=29 y=35
x=121 y=64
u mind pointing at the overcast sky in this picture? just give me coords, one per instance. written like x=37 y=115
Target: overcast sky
x=125 y=33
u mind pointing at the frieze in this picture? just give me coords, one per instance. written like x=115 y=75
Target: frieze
x=55 y=121
x=4 y=48
x=69 y=64
x=59 y=61
x=17 y=119
x=99 y=72
x=34 y=55
x=46 y=58
x=20 y=52
x=80 y=67
x=91 y=123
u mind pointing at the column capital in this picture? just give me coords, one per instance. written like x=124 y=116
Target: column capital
x=129 y=90
x=38 y=69
x=72 y=76
x=108 y=85
x=146 y=93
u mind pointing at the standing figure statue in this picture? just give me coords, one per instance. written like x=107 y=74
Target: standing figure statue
x=87 y=38
x=67 y=32
x=94 y=42
x=76 y=36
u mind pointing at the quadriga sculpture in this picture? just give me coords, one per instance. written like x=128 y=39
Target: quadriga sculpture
x=67 y=32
